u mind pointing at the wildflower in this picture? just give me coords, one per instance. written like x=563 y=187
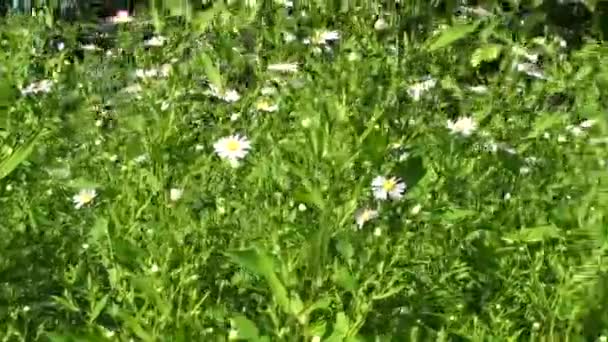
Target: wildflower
x=155 y=41
x=388 y=188
x=322 y=37
x=587 y=123
x=306 y=122
x=154 y=268
x=283 y=67
x=233 y=147
x=416 y=209
x=288 y=37
x=133 y=89
x=302 y=207
x=89 y=47
x=235 y=116
x=265 y=106
x=266 y=91
x=464 y=126
x=530 y=70
x=574 y=130
x=479 y=89
x=228 y=95
x=84 y=197
x=60 y=46
x=175 y=194
x=353 y=57
x=417 y=89
x=43 y=86
x=364 y=215
x=380 y=25
x=121 y=17
x=377 y=232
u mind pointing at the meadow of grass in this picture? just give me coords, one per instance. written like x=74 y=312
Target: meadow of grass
x=301 y=176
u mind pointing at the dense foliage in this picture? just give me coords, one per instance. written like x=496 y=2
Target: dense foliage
x=287 y=175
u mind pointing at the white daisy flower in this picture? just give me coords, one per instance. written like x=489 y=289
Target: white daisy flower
x=288 y=37
x=163 y=71
x=228 y=95
x=266 y=91
x=322 y=37
x=60 y=46
x=121 y=17
x=353 y=57
x=479 y=89
x=530 y=70
x=89 y=47
x=232 y=148
x=155 y=41
x=418 y=89
x=266 y=106
x=283 y=67
x=388 y=188
x=464 y=126
x=587 y=123
x=84 y=197
x=175 y=194
x=43 y=86
x=575 y=130
x=416 y=209
x=380 y=25
x=364 y=215
x=133 y=89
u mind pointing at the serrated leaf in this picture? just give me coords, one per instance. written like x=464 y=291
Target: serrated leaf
x=19 y=155
x=451 y=35
x=486 y=53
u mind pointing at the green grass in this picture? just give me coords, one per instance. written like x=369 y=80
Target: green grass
x=500 y=235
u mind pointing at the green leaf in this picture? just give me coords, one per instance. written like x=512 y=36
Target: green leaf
x=543 y=123
x=451 y=35
x=411 y=171
x=19 y=155
x=99 y=306
x=212 y=71
x=246 y=329
x=456 y=214
x=344 y=279
x=486 y=53
x=535 y=234
x=340 y=328
x=262 y=265
x=82 y=183
x=202 y=19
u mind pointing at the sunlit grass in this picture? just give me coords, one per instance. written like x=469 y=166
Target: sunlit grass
x=342 y=184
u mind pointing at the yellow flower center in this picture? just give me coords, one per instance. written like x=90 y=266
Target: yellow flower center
x=86 y=198
x=365 y=216
x=233 y=145
x=263 y=105
x=389 y=185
